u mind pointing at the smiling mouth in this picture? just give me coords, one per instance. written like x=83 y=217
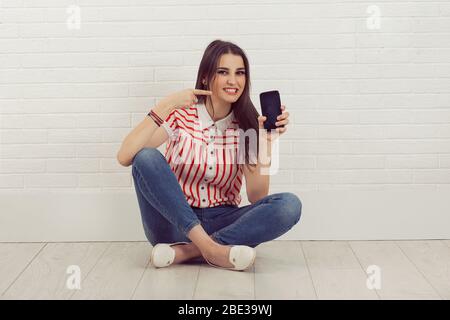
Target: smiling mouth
x=231 y=91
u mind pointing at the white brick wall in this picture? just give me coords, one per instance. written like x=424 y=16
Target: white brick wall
x=370 y=108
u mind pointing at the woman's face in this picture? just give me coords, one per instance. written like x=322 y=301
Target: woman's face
x=230 y=74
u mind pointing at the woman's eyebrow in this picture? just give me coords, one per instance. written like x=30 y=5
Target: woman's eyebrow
x=229 y=69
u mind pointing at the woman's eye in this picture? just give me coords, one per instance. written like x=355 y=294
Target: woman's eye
x=223 y=72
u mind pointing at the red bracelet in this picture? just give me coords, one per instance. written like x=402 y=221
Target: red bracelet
x=155 y=121
x=155 y=118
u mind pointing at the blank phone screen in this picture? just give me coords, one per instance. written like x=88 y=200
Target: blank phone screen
x=270 y=108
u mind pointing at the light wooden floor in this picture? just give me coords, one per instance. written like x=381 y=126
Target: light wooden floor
x=283 y=270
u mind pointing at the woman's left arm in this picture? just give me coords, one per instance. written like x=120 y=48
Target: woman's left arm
x=257 y=184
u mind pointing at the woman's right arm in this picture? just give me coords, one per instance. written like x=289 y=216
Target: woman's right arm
x=146 y=134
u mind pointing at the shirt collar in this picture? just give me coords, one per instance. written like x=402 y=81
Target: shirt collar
x=206 y=121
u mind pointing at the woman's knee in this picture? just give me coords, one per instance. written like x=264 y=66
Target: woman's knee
x=147 y=157
x=290 y=208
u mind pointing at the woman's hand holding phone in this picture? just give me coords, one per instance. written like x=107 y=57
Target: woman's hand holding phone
x=274 y=115
x=281 y=120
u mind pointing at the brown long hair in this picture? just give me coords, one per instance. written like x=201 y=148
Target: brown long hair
x=244 y=110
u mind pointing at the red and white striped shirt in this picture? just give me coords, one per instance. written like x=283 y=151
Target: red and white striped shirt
x=203 y=155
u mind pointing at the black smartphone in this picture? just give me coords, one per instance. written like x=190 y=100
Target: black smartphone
x=270 y=108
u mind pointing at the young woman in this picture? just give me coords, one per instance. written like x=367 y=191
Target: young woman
x=189 y=197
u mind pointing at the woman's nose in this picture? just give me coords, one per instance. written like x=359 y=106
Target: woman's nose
x=231 y=80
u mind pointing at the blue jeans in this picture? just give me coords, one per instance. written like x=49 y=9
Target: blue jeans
x=167 y=217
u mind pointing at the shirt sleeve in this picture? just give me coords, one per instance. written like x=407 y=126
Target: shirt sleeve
x=171 y=126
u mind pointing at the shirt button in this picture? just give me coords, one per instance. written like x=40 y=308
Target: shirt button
x=203 y=200
x=206 y=179
x=212 y=152
x=203 y=188
x=210 y=168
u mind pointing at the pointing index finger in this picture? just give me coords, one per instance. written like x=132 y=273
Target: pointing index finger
x=202 y=92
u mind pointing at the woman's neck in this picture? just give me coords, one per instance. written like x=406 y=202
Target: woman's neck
x=221 y=110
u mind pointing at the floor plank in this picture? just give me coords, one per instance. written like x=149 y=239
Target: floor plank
x=281 y=272
x=175 y=282
x=14 y=258
x=215 y=283
x=432 y=258
x=330 y=255
x=46 y=276
x=400 y=279
x=117 y=273
x=335 y=271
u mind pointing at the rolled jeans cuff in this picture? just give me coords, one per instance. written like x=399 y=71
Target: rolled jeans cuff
x=190 y=226
x=216 y=238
